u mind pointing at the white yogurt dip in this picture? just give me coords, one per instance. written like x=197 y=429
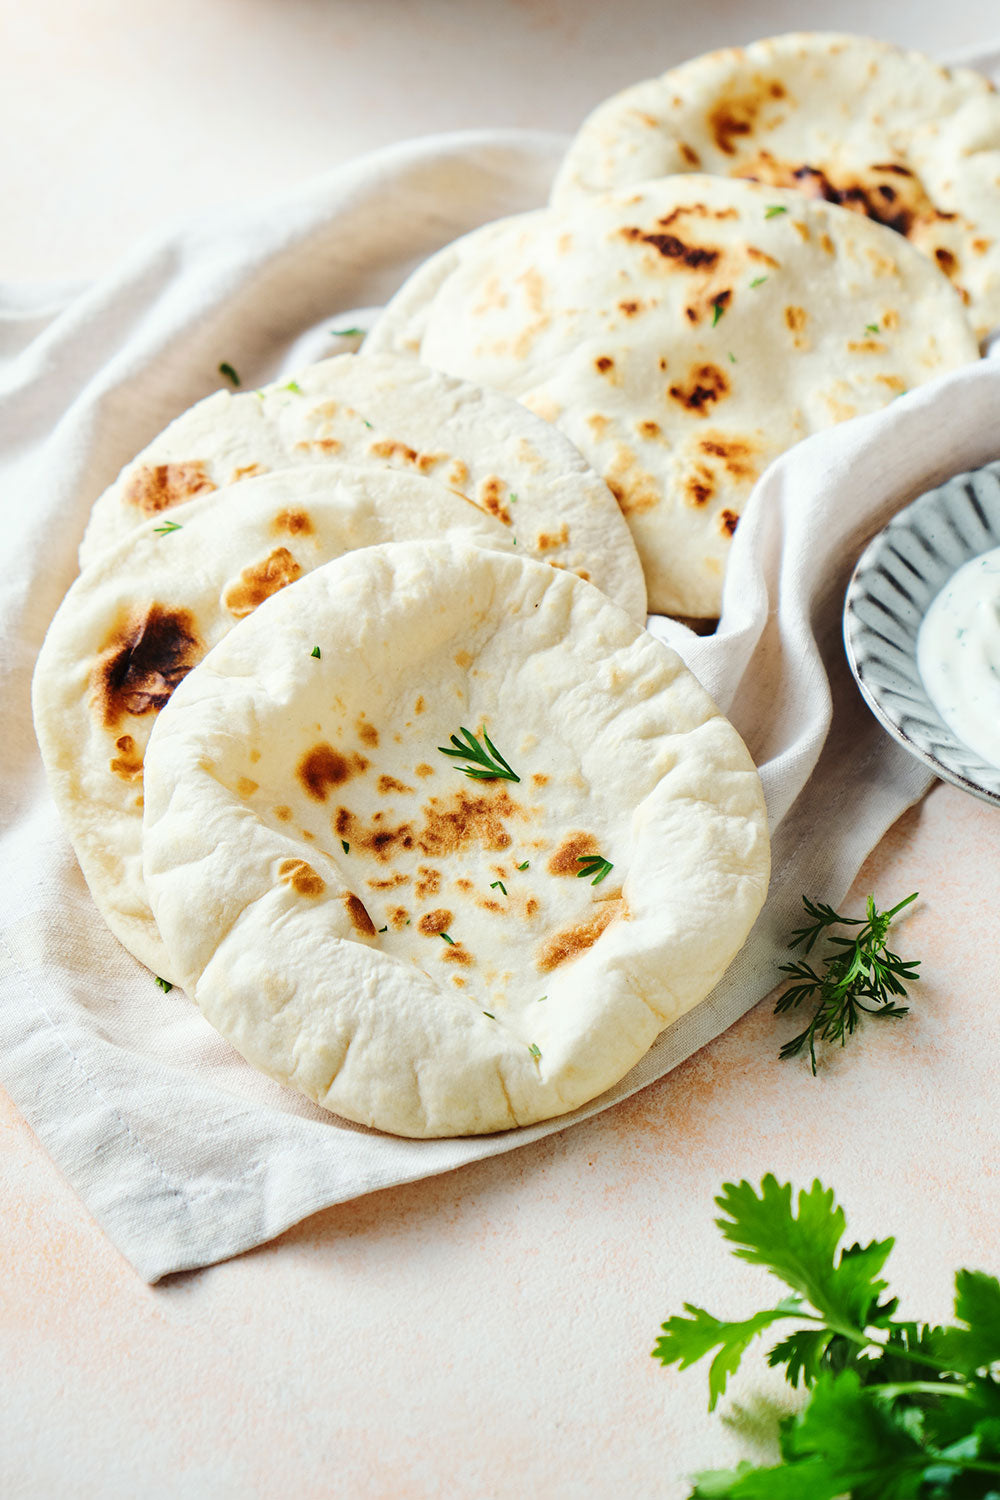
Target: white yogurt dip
x=958 y=654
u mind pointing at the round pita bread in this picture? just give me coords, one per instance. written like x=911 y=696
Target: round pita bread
x=412 y=948
x=858 y=122
x=682 y=334
x=148 y=609
x=390 y=413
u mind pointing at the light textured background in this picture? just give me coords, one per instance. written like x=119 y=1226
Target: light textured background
x=485 y=1333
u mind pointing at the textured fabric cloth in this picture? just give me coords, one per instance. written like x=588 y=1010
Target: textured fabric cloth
x=180 y=1150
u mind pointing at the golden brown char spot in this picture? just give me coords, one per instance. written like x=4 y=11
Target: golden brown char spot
x=569 y=942
x=540 y=779
x=458 y=474
x=246 y=788
x=629 y=308
x=360 y=920
x=598 y=424
x=895 y=383
x=946 y=260
x=323 y=767
x=259 y=582
x=374 y=838
x=468 y=818
x=420 y=705
x=367 y=733
x=398 y=918
x=566 y=859
x=464 y=659
x=890 y=318
x=305 y=833
x=689 y=154
x=143 y=660
x=491 y=499
x=283 y=813
x=728 y=522
x=531 y=906
x=157 y=487
x=428 y=882
x=866 y=346
x=434 y=922
x=390 y=784
x=548 y=541
x=633 y=487
x=324 y=445
x=827 y=244
x=762 y=257
x=699 y=486
x=980 y=245
x=534 y=289
x=301 y=876
x=486 y=903
x=456 y=954
x=423 y=769
x=649 y=429
x=293 y=522
x=464 y=884
x=706 y=385
x=388 y=449
x=254 y=756
x=128 y=762
x=734 y=117
x=603 y=363
x=802 y=230
x=796 y=318
x=736 y=453
x=390 y=883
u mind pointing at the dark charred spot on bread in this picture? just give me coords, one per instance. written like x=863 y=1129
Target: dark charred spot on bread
x=157 y=487
x=706 y=385
x=689 y=154
x=728 y=521
x=322 y=768
x=732 y=118
x=736 y=454
x=603 y=363
x=566 y=859
x=358 y=913
x=302 y=878
x=144 y=660
x=649 y=429
x=433 y=922
x=491 y=493
x=259 y=582
x=293 y=523
x=128 y=762
x=673 y=248
x=569 y=942
x=629 y=308
x=699 y=486
x=946 y=260
x=373 y=838
x=465 y=819
x=387 y=784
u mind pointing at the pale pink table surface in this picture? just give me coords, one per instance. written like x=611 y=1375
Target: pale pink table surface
x=484 y=1333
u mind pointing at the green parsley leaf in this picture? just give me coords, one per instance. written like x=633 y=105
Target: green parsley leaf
x=294 y=387
x=871 y=328
x=163 y=984
x=495 y=883
x=347 y=333
x=593 y=864
x=230 y=374
x=718 y=308
x=167 y=528
x=488 y=764
x=535 y=1051
x=316 y=652
x=522 y=867
x=512 y=496
x=773 y=209
x=732 y=358
x=345 y=846
x=758 y=281
x=448 y=939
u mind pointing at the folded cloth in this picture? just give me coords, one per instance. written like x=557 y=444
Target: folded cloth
x=179 y=1149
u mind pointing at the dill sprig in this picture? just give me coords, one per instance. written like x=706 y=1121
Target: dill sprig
x=860 y=969
x=488 y=764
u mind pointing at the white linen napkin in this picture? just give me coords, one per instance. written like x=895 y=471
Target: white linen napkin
x=180 y=1150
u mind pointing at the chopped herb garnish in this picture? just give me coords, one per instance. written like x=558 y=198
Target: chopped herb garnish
x=593 y=864
x=229 y=372
x=316 y=652
x=535 y=1051
x=871 y=328
x=495 y=883
x=484 y=768
x=259 y=395
x=773 y=209
x=719 y=306
x=512 y=496
x=522 y=867
x=732 y=358
x=346 y=333
x=861 y=969
x=167 y=528
x=345 y=846
x=541 y=998
x=384 y=929
x=448 y=938
x=366 y=422
x=758 y=281
x=164 y=985
x=490 y=1014
x=294 y=387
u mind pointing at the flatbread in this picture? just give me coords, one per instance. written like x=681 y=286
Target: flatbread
x=411 y=948
x=859 y=122
x=683 y=333
x=146 y=611
x=388 y=412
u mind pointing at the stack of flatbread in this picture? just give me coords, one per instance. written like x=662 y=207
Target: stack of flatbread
x=351 y=714
x=360 y=739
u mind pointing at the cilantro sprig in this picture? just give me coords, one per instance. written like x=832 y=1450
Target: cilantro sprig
x=860 y=969
x=898 y=1410
x=487 y=765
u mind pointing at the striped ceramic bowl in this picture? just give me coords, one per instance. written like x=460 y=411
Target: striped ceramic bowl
x=899 y=573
